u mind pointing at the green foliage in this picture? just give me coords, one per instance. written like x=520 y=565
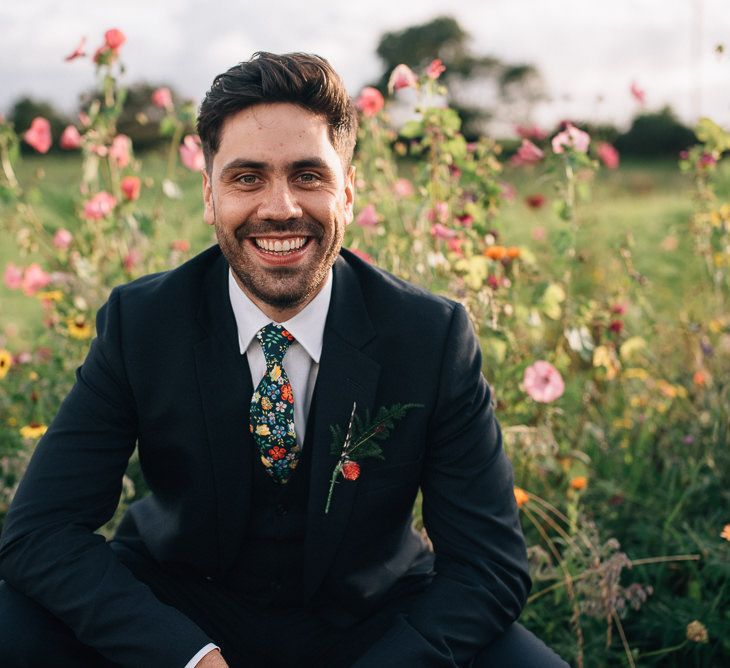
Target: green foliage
x=657 y=134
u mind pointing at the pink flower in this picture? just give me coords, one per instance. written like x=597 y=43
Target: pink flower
x=70 y=138
x=62 y=239
x=132 y=259
x=465 y=219
x=454 y=245
x=530 y=132
x=571 y=137
x=435 y=69
x=99 y=206
x=543 y=382
x=403 y=188
x=114 y=38
x=104 y=55
x=639 y=94
x=39 y=134
x=402 y=77
x=131 y=185
x=162 y=98
x=618 y=309
x=706 y=160
x=608 y=155
x=370 y=101
x=368 y=217
x=13 y=276
x=508 y=191
x=78 y=52
x=539 y=233
x=439 y=213
x=191 y=153
x=441 y=232
x=84 y=119
x=527 y=154
x=180 y=245
x=34 y=279
x=362 y=255
x=120 y=150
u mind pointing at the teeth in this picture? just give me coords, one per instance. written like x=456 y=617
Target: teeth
x=279 y=246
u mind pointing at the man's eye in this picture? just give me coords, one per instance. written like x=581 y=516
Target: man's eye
x=308 y=177
x=248 y=179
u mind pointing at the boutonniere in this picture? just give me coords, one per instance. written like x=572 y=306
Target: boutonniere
x=360 y=441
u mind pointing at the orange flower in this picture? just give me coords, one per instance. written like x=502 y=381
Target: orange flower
x=699 y=378
x=6 y=361
x=513 y=252
x=579 y=482
x=495 y=252
x=521 y=496
x=33 y=430
x=725 y=533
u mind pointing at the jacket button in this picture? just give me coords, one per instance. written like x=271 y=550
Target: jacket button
x=209 y=578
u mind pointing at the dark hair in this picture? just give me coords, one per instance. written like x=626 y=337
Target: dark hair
x=298 y=78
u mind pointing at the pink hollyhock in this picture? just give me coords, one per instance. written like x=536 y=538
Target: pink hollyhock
x=442 y=232
x=530 y=132
x=435 y=69
x=454 y=245
x=402 y=77
x=114 y=38
x=131 y=185
x=162 y=98
x=191 y=153
x=99 y=206
x=370 y=101
x=543 y=382
x=132 y=259
x=639 y=94
x=180 y=245
x=70 y=138
x=362 y=255
x=120 y=150
x=78 y=52
x=527 y=154
x=368 y=217
x=34 y=279
x=62 y=239
x=439 y=213
x=38 y=135
x=608 y=155
x=571 y=137
x=706 y=160
x=536 y=201
x=403 y=188
x=13 y=276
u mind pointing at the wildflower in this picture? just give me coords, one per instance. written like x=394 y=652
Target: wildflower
x=370 y=101
x=725 y=533
x=571 y=137
x=608 y=155
x=180 y=245
x=403 y=188
x=120 y=150
x=536 y=201
x=699 y=378
x=527 y=154
x=402 y=77
x=543 y=382
x=131 y=186
x=34 y=279
x=579 y=482
x=78 y=327
x=639 y=94
x=70 y=138
x=50 y=296
x=350 y=470
x=162 y=98
x=368 y=217
x=114 y=38
x=62 y=239
x=6 y=361
x=616 y=326
x=493 y=282
x=705 y=160
x=191 y=153
x=78 y=52
x=539 y=233
x=521 y=496
x=496 y=253
x=38 y=135
x=131 y=259
x=530 y=132
x=697 y=632
x=440 y=231
x=33 y=430
x=13 y=276
x=435 y=69
x=466 y=220
x=99 y=206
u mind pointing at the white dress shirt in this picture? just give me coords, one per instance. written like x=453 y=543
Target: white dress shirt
x=301 y=361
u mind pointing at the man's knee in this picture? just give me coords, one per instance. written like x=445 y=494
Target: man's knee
x=518 y=648
x=30 y=635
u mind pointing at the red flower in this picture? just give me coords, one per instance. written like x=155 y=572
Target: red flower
x=70 y=138
x=131 y=186
x=639 y=94
x=277 y=453
x=616 y=326
x=162 y=98
x=114 y=38
x=435 y=69
x=350 y=470
x=608 y=155
x=370 y=101
x=180 y=245
x=535 y=201
x=78 y=52
x=285 y=333
x=39 y=134
x=286 y=393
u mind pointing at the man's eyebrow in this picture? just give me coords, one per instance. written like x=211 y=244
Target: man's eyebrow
x=240 y=163
x=304 y=163
x=310 y=163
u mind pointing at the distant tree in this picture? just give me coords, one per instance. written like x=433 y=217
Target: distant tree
x=515 y=88
x=26 y=109
x=657 y=134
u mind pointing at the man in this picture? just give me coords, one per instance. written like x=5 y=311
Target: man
x=229 y=373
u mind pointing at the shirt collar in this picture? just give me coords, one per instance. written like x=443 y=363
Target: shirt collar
x=307 y=326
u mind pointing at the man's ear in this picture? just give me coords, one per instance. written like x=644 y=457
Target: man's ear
x=349 y=194
x=209 y=211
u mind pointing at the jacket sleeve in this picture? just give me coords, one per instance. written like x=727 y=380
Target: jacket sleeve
x=470 y=514
x=49 y=550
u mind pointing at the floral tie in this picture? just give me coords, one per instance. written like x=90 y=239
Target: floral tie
x=272 y=407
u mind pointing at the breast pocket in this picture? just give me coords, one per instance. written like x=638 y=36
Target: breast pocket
x=382 y=476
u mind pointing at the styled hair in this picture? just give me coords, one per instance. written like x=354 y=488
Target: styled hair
x=303 y=79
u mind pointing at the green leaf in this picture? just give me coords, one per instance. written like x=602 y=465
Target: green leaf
x=712 y=135
x=411 y=130
x=167 y=126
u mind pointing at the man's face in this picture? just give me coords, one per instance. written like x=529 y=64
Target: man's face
x=279 y=200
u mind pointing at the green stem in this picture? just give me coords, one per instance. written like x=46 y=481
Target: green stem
x=333 y=480
x=666 y=650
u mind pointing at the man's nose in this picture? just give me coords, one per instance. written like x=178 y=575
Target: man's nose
x=279 y=203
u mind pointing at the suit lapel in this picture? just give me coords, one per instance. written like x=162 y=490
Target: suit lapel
x=345 y=375
x=225 y=389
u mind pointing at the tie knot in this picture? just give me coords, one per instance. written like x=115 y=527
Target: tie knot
x=274 y=340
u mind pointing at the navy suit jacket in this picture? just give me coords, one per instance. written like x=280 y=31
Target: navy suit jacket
x=165 y=372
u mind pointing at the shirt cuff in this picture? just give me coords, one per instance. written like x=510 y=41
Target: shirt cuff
x=194 y=661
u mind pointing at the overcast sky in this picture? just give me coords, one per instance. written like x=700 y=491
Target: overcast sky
x=588 y=52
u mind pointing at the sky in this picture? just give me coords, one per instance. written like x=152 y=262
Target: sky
x=588 y=52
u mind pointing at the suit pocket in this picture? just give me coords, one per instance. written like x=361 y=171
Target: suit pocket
x=384 y=476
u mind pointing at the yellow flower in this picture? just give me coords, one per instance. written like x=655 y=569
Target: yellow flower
x=606 y=357
x=697 y=632
x=265 y=462
x=521 y=496
x=266 y=403
x=635 y=372
x=275 y=372
x=263 y=430
x=579 y=482
x=715 y=326
x=78 y=327
x=33 y=375
x=667 y=389
x=50 y=295
x=725 y=533
x=33 y=430
x=6 y=361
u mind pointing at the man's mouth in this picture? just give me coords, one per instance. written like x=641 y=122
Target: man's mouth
x=280 y=246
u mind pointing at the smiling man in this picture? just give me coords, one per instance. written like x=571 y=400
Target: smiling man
x=231 y=374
